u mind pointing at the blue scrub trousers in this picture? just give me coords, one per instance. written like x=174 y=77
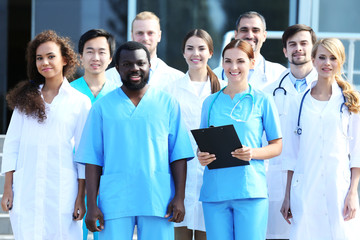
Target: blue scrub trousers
x=241 y=219
x=148 y=228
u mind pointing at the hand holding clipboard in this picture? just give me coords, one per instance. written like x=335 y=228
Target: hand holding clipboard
x=221 y=143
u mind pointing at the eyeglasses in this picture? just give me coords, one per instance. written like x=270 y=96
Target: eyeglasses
x=244 y=108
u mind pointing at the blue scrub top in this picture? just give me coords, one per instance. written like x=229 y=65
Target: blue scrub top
x=243 y=181
x=81 y=85
x=135 y=146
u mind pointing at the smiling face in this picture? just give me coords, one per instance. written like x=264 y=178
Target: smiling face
x=251 y=30
x=49 y=61
x=148 y=33
x=134 y=68
x=325 y=63
x=298 y=48
x=237 y=64
x=96 y=56
x=196 y=53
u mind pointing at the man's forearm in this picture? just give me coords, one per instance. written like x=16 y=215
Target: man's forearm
x=178 y=170
x=92 y=175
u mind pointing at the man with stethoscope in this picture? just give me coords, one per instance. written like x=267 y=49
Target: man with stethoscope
x=251 y=27
x=298 y=41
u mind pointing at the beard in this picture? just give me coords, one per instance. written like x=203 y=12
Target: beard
x=135 y=86
x=298 y=62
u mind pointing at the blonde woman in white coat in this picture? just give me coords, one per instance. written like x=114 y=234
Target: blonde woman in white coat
x=191 y=90
x=323 y=156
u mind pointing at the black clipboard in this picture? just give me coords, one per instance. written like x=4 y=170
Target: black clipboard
x=221 y=141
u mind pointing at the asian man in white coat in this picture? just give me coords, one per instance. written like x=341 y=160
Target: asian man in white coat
x=298 y=41
x=146 y=30
x=251 y=27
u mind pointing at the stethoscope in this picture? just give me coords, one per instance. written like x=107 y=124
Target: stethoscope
x=264 y=75
x=280 y=87
x=242 y=97
x=298 y=129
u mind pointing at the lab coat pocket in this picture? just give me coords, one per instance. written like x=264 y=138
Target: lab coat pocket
x=347 y=177
x=296 y=196
x=68 y=190
x=17 y=189
x=276 y=183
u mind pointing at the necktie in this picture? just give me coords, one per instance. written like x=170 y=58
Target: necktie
x=300 y=84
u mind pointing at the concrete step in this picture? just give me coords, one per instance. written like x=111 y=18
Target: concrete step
x=2 y=138
x=2 y=181
x=6 y=237
x=5 y=226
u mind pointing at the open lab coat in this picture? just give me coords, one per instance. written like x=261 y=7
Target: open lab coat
x=190 y=105
x=45 y=181
x=265 y=72
x=321 y=158
x=278 y=228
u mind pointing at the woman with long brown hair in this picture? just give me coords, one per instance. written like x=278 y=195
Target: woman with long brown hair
x=44 y=188
x=191 y=90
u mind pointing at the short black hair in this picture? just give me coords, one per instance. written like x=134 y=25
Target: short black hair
x=130 y=46
x=292 y=30
x=94 y=33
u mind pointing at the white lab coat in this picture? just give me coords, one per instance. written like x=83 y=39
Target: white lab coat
x=160 y=74
x=45 y=181
x=265 y=73
x=278 y=228
x=190 y=105
x=320 y=160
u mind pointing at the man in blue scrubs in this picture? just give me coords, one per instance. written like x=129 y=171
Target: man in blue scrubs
x=96 y=48
x=135 y=147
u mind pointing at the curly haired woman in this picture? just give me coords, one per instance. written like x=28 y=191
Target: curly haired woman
x=44 y=188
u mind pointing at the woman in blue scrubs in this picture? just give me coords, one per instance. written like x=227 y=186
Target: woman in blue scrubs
x=235 y=198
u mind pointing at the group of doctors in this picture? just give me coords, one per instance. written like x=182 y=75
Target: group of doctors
x=308 y=108
x=337 y=183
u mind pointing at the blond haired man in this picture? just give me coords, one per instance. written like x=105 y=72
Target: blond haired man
x=145 y=29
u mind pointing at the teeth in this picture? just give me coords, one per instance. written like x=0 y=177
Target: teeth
x=234 y=74
x=134 y=76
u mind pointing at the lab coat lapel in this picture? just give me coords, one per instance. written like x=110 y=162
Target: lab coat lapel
x=290 y=89
x=335 y=98
x=188 y=87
